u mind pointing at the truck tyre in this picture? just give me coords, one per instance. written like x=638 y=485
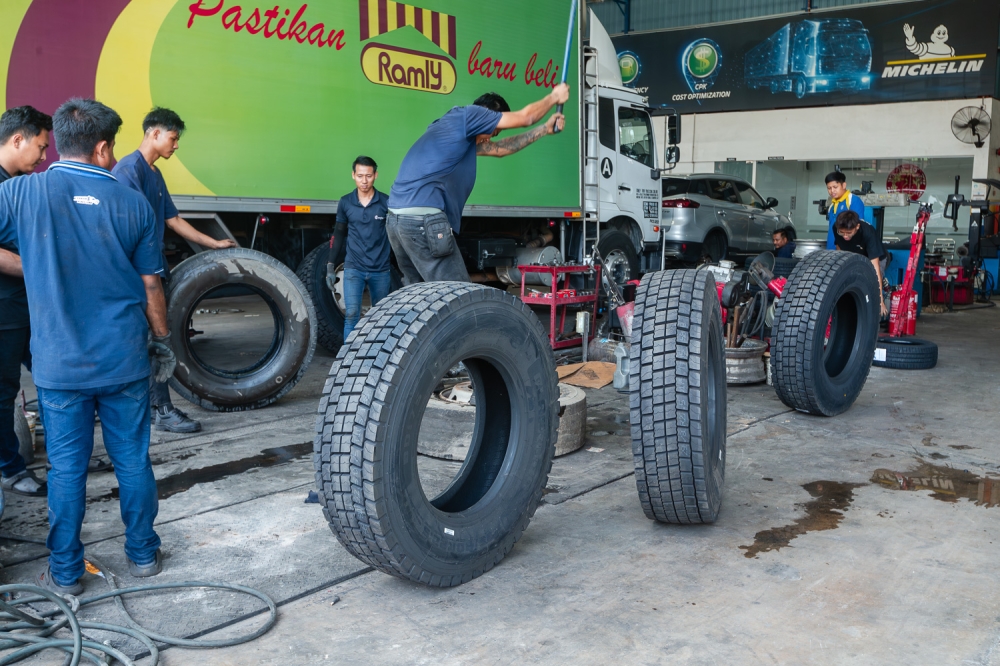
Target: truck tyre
x=677 y=397
x=799 y=85
x=618 y=256
x=813 y=373
x=906 y=353
x=716 y=245
x=292 y=346
x=365 y=450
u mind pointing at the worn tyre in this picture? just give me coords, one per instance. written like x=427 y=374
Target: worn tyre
x=906 y=353
x=813 y=373
x=678 y=397
x=329 y=315
x=291 y=349
x=370 y=414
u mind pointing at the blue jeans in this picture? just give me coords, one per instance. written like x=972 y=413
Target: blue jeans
x=68 y=416
x=379 y=285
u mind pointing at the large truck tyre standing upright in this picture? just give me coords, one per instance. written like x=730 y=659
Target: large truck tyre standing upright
x=279 y=101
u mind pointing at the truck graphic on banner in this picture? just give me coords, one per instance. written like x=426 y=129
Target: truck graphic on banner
x=809 y=57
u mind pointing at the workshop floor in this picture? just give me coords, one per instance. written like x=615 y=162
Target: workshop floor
x=812 y=559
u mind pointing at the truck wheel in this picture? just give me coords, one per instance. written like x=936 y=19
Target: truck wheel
x=800 y=87
x=240 y=271
x=365 y=450
x=329 y=312
x=619 y=257
x=905 y=353
x=813 y=372
x=678 y=397
x=716 y=246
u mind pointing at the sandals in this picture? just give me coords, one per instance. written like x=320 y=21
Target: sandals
x=25 y=483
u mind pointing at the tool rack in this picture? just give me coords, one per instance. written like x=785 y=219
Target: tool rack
x=555 y=301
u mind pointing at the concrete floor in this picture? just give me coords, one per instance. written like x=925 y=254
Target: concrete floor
x=813 y=560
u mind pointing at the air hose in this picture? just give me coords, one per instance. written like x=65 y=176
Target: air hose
x=30 y=633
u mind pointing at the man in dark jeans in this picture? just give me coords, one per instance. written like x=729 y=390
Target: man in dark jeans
x=24 y=137
x=438 y=174
x=162 y=130
x=361 y=227
x=91 y=261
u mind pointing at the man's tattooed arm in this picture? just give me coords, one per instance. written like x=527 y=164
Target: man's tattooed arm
x=511 y=144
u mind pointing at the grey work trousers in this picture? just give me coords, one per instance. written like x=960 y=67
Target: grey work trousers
x=425 y=248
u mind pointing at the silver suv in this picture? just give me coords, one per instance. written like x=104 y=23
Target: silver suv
x=716 y=215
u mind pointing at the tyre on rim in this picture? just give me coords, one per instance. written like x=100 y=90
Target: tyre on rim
x=678 y=397
x=618 y=256
x=823 y=337
x=282 y=360
x=365 y=451
x=716 y=246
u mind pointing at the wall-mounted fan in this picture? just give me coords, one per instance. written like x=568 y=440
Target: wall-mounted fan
x=971 y=124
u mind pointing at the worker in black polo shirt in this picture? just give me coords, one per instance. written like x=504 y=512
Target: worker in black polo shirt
x=24 y=137
x=851 y=235
x=361 y=225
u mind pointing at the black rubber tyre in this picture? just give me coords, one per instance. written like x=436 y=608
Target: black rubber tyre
x=906 y=353
x=783 y=266
x=292 y=347
x=716 y=246
x=369 y=417
x=811 y=373
x=677 y=383
x=618 y=256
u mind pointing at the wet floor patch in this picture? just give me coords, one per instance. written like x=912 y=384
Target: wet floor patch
x=182 y=481
x=822 y=513
x=945 y=483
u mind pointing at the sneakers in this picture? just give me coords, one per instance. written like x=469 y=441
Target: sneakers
x=46 y=581
x=146 y=570
x=171 y=419
x=25 y=483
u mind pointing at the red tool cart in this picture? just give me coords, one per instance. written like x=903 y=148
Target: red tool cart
x=559 y=299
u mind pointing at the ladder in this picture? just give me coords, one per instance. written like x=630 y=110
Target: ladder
x=591 y=215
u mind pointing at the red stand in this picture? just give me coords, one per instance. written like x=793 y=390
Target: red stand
x=560 y=298
x=903 y=315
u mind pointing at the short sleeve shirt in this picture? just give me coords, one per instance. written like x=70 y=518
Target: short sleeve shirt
x=852 y=202
x=865 y=242
x=85 y=241
x=133 y=170
x=367 y=242
x=439 y=171
x=13 y=296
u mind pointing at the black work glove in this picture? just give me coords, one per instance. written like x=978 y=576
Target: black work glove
x=162 y=357
x=331 y=277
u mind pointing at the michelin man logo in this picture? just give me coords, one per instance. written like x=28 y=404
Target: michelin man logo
x=936 y=48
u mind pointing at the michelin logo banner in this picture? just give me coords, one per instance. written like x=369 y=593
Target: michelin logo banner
x=888 y=53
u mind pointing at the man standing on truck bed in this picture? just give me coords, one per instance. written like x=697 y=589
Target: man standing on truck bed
x=438 y=174
x=90 y=256
x=361 y=227
x=162 y=130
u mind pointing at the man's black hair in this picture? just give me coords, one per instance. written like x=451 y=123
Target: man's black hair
x=24 y=120
x=835 y=177
x=165 y=119
x=847 y=221
x=81 y=124
x=364 y=160
x=783 y=233
x=493 y=102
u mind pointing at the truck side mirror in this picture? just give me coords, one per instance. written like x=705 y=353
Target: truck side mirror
x=673 y=129
x=771 y=203
x=672 y=156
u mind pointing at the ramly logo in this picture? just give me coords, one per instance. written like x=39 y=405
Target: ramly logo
x=387 y=65
x=86 y=200
x=932 y=57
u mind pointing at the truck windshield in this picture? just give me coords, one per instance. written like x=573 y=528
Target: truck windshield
x=675 y=186
x=635 y=135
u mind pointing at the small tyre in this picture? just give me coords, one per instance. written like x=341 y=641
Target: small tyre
x=329 y=313
x=25 y=438
x=677 y=399
x=618 y=256
x=783 y=266
x=813 y=373
x=267 y=379
x=365 y=450
x=905 y=353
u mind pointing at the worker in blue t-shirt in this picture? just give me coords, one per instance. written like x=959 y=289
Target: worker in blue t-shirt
x=91 y=262
x=841 y=199
x=438 y=174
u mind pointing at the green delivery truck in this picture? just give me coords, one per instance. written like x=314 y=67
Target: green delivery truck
x=280 y=98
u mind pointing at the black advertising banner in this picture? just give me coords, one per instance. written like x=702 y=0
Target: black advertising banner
x=863 y=55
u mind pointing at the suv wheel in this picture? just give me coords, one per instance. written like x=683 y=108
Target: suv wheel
x=716 y=246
